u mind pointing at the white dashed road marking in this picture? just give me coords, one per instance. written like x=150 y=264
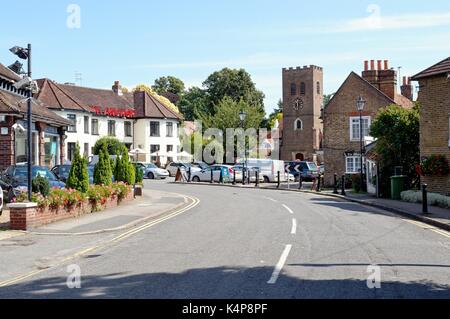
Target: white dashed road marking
x=280 y=265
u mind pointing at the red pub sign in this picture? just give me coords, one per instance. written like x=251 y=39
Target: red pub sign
x=108 y=111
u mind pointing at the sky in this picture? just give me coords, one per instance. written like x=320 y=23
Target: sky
x=137 y=41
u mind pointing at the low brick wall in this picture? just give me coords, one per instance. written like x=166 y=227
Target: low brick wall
x=25 y=216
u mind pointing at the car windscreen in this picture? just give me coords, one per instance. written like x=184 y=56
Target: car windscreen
x=313 y=166
x=21 y=173
x=151 y=166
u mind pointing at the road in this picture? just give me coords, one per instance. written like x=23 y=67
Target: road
x=247 y=243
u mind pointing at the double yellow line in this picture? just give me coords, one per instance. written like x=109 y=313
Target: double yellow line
x=131 y=232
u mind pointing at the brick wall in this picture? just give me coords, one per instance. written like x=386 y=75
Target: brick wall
x=337 y=122
x=29 y=218
x=434 y=97
x=7 y=143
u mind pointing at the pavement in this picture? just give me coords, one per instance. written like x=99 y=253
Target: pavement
x=243 y=243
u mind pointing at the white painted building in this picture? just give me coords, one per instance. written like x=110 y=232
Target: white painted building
x=138 y=120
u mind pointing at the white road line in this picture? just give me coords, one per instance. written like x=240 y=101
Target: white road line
x=294 y=226
x=288 y=209
x=272 y=200
x=280 y=265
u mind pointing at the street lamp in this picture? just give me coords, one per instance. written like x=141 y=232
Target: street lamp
x=360 y=104
x=242 y=117
x=25 y=54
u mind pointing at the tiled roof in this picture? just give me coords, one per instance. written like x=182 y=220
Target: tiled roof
x=155 y=109
x=8 y=74
x=439 y=68
x=15 y=104
x=62 y=96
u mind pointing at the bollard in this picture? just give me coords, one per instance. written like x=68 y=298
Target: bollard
x=278 y=179
x=221 y=176
x=248 y=178
x=300 y=181
x=189 y=174
x=234 y=176
x=424 y=199
x=343 y=193
x=318 y=183
x=257 y=179
x=212 y=176
x=335 y=190
x=243 y=175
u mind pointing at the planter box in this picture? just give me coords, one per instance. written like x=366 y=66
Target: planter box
x=25 y=216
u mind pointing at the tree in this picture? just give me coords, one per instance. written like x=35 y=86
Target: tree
x=397 y=132
x=194 y=102
x=168 y=84
x=124 y=170
x=277 y=114
x=112 y=144
x=237 y=84
x=326 y=99
x=78 y=176
x=102 y=170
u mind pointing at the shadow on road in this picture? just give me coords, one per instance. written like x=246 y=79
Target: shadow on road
x=217 y=283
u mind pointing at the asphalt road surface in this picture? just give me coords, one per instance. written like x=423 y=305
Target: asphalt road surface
x=246 y=243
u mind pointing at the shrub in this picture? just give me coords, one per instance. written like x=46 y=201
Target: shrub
x=78 y=176
x=37 y=198
x=56 y=198
x=124 y=170
x=112 y=144
x=40 y=185
x=435 y=165
x=139 y=174
x=102 y=170
x=356 y=182
x=433 y=198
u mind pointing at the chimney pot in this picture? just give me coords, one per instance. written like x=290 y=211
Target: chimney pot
x=372 y=65
x=386 y=64
x=405 y=81
x=379 y=65
x=366 y=65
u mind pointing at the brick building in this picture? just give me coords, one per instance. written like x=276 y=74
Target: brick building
x=434 y=98
x=341 y=145
x=302 y=104
x=48 y=129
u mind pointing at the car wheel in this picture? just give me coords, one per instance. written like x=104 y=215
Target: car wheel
x=196 y=179
x=266 y=180
x=151 y=175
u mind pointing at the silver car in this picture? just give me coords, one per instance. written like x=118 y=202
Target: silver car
x=152 y=171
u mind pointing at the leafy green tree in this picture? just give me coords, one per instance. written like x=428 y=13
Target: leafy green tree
x=237 y=84
x=139 y=174
x=78 y=176
x=326 y=99
x=168 y=84
x=277 y=114
x=124 y=170
x=102 y=170
x=112 y=144
x=397 y=133
x=194 y=102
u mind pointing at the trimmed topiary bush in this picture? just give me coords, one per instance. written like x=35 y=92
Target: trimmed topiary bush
x=40 y=185
x=112 y=144
x=102 y=170
x=124 y=170
x=78 y=176
x=433 y=198
x=139 y=174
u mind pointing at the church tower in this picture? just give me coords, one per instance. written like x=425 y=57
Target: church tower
x=302 y=107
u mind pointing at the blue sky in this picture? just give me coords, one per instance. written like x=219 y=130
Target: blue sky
x=137 y=41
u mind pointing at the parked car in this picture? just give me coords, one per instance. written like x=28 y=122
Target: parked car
x=14 y=179
x=173 y=167
x=268 y=168
x=200 y=164
x=308 y=170
x=205 y=174
x=1 y=201
x=250 y=170
x=62 y=172
x=152 y=171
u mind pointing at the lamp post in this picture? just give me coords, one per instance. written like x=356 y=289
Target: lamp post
x=360 y=104
x=242 y=117
x=25 y=54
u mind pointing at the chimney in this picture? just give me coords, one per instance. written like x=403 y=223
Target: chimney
x=406 y=88
x=139 y=103
x=379 y=62
x=117 y=88
x=387 y=81
x=386 y=64
x=371 y=75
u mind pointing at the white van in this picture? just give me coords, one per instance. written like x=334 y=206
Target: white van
x=268 y=168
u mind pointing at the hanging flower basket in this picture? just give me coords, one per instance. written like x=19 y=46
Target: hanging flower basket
x=435 y=165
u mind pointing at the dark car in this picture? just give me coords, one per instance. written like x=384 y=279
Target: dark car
x=308 y=170
x=62 y=172
x=14 y=179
